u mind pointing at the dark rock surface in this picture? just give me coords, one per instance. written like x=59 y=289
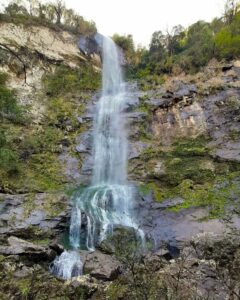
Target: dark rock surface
x=32 y=251
x=25 y=215
x=101 y=266
x=175 y=228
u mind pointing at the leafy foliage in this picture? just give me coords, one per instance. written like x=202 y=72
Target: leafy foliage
x=187 y=49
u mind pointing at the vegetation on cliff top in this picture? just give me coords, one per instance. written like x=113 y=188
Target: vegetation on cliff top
x=185 y=49
x=51 y=14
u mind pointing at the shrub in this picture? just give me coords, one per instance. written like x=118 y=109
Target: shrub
x=9 y=108
x=66 y=80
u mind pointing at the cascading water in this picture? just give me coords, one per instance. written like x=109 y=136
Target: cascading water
x=108 y=201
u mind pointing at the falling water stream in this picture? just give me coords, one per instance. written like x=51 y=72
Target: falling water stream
x=108 y=201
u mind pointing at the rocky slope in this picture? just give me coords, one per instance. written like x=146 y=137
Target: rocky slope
x=183 y=156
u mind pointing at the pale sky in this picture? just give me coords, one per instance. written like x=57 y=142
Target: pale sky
x=141 y=18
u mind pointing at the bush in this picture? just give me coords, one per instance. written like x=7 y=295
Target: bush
x=228 y=40
x=66 y=80
x=9 y=108
x=9 y=162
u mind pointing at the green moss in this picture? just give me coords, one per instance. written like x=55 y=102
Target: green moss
x=29 y=204
x=116 y=290
x=3 y=78
x=42 y=242
x=217 y=196
x=50 y=177
x=192 y=174
x=45 y=139
x=184 y=160
x=24 y=286
x=54 y=205
x=152 y=187
x=191 y=146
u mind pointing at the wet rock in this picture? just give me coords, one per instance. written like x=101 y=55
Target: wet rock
x=121 y=235
x=80 y=120
x=230 y=151
x=84 y=142
x=101 y=266
x=59 y=249
x=90 y=45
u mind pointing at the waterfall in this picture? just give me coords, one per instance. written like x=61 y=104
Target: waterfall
x=107 y=202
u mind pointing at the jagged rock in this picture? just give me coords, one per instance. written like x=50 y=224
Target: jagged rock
x=70 y=167
x=136 y=149
x=21 y=247
x=57 y=248
x=136 y=116
x=227 y=67
x=167 y=203
x=102 y=266
x=84 y=142
x=22 y=215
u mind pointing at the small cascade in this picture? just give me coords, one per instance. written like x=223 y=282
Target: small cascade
x=67 y=265
x=108 y=201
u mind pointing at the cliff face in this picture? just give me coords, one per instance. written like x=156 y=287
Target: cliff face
x=29 y=52
x=52 y=82
x=183 y=153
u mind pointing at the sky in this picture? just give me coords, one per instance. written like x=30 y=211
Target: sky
x=141 y=18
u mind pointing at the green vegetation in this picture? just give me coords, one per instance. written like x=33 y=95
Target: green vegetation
x=217 y=195
x=66 y=80
x=9 y=108
x=184 y=49
x=29 y=154
x=191 y=173
x=10 y=111
x=54 y=15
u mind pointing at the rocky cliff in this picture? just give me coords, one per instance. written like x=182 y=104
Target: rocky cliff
x=183 y=156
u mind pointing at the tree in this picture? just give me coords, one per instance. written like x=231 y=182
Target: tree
x=231 y=9
x=227 y=39
x=15 y=8
x=198 y=47
x=59 y=9
x=174 y=40
x=157 y=45
x=125 y=42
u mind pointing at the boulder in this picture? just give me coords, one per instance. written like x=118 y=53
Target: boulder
x=102 y=266
x=121 y=236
